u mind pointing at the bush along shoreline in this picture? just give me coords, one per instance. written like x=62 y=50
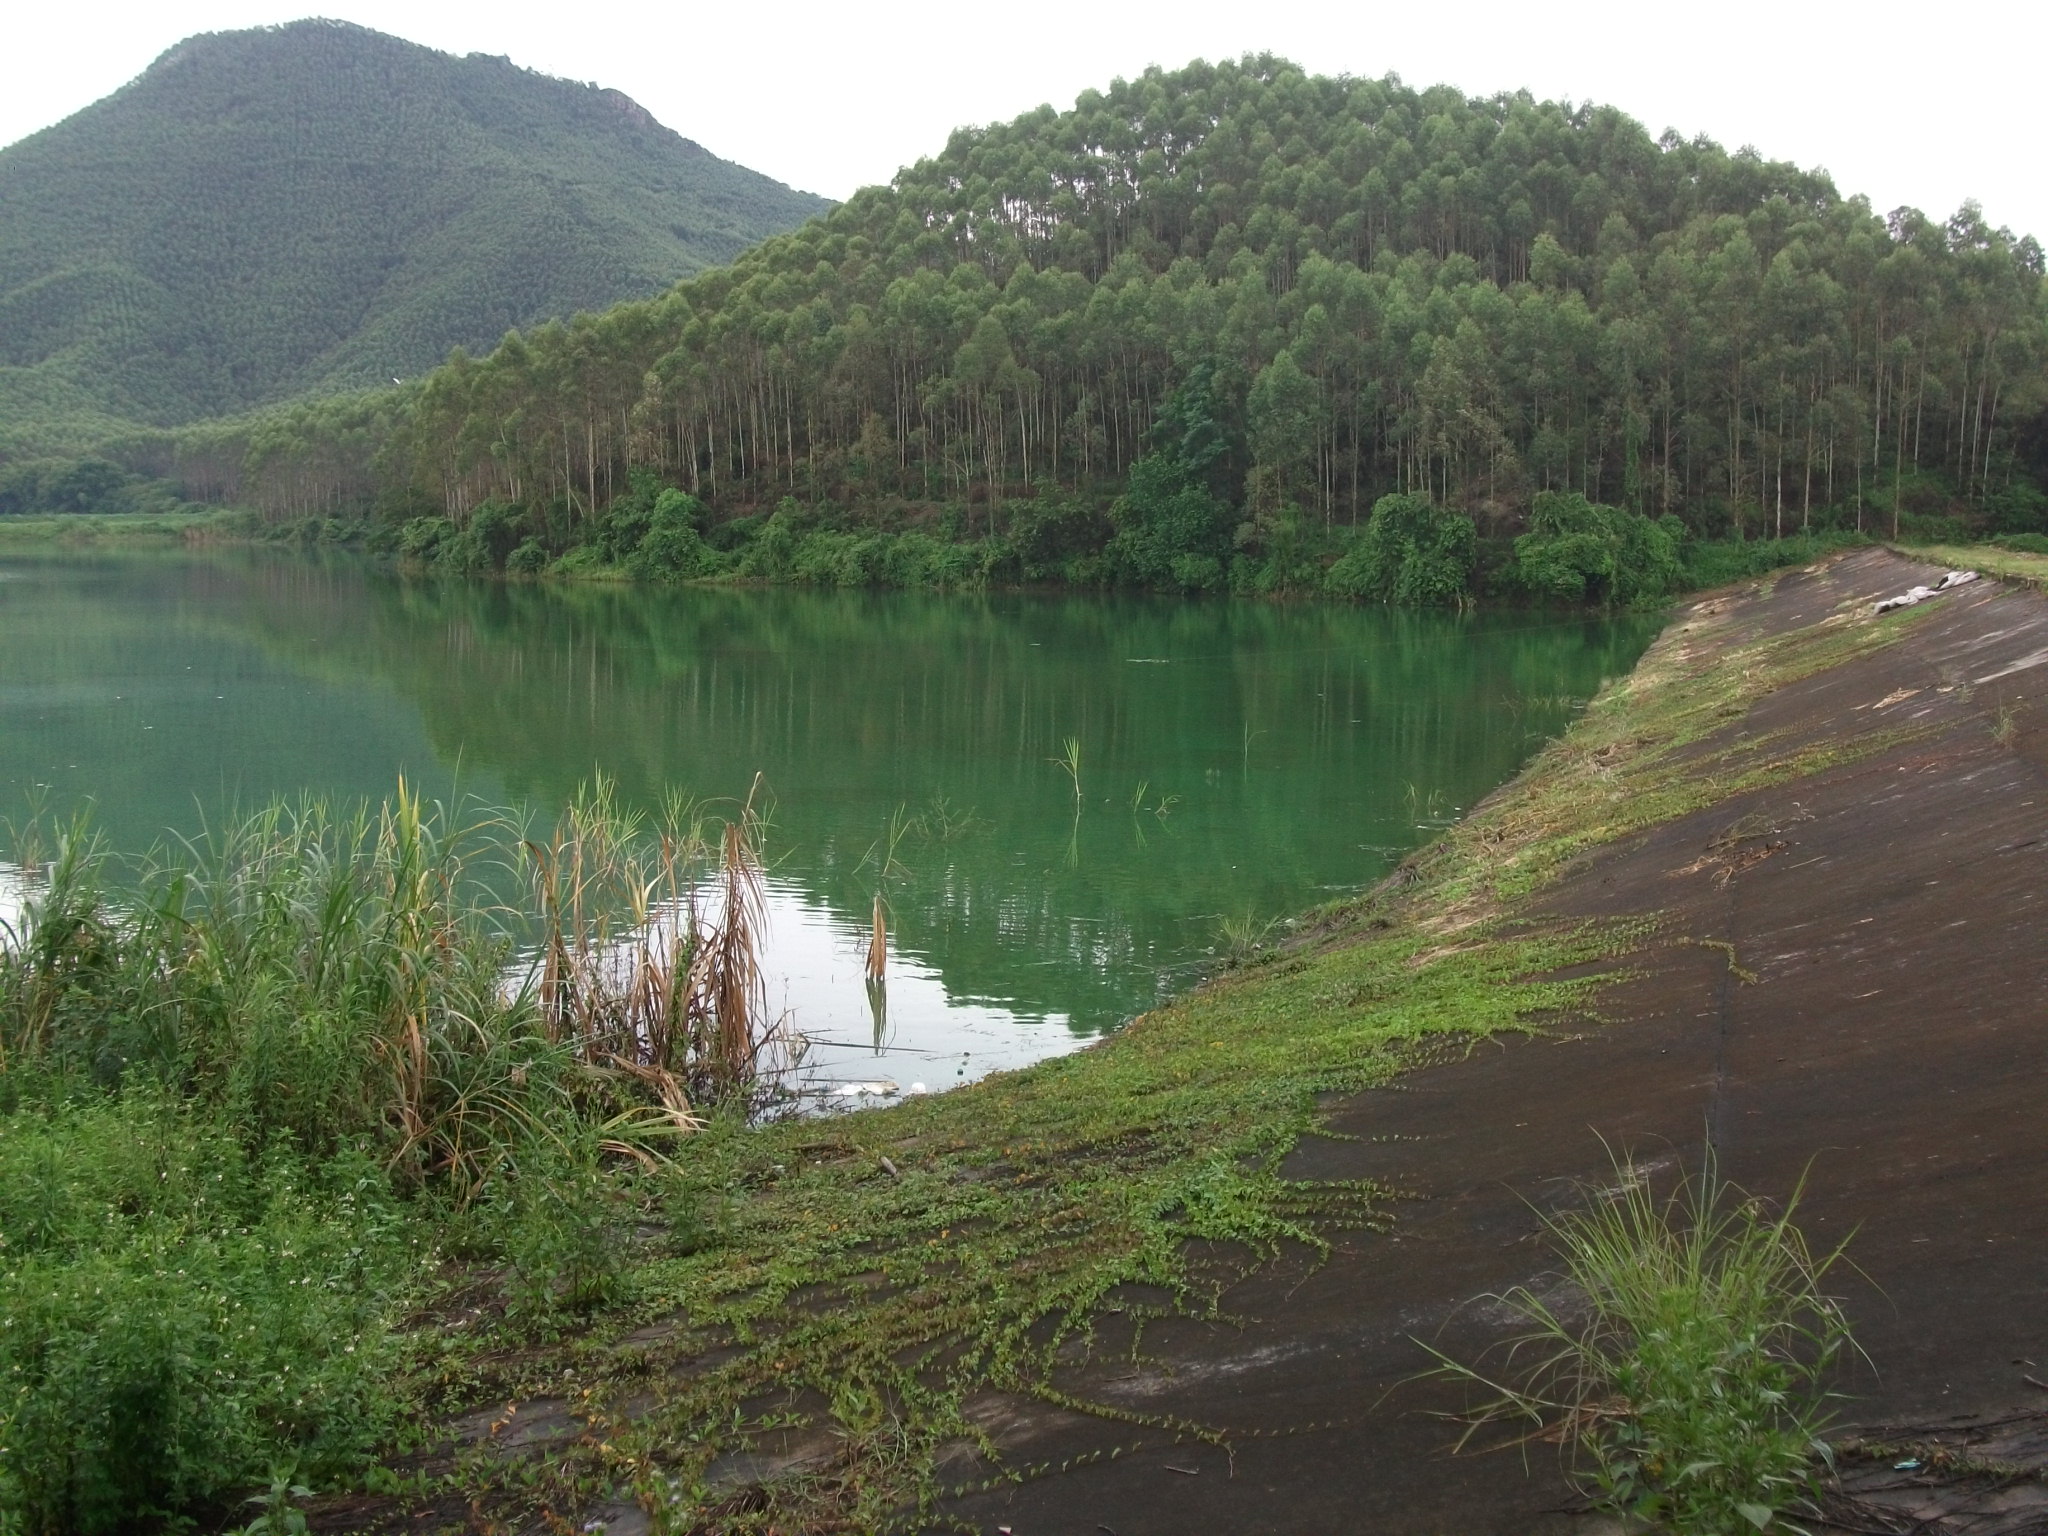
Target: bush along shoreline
x=1409 y=553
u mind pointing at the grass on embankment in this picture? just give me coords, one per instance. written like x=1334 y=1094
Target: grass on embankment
x=1990 y=559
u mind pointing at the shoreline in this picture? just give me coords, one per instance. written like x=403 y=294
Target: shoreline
x=947 y=1255
x=1726 y=561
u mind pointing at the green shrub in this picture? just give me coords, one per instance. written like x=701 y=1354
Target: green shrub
x=1580 y=551
x=529 y=559
x=1715 y=562
x=1170 y=529
x=421 y=538
x=735 y=534
x=178 y=1316
x=1410 y=552
x=2019 y=508
x=1282 y=548
x=770 y=553
x=482 y=543
x=562 y=1224
x=672 y=548
x=1055 y=534
x=826 y=557
x=583 y=560
x=1196 y=572
x=1174 y=520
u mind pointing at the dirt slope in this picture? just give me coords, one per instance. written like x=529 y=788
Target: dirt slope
x=1848 y=977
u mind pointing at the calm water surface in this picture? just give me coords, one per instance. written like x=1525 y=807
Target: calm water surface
x=1285 y=753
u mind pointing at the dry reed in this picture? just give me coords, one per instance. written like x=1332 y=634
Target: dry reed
x=649 y=964
x=878 y=946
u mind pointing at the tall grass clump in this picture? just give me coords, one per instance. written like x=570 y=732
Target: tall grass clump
x=1683 y=1359
x=650 y=957
x=246 y=1081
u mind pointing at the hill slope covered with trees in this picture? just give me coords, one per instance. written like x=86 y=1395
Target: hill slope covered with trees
x=1280 y=298
x=266 y=213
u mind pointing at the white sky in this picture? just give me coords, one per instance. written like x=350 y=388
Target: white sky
x=1909 y=104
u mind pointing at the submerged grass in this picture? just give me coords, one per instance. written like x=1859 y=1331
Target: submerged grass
x=858 y=1282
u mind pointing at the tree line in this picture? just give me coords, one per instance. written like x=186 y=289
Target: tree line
x=1390 y=291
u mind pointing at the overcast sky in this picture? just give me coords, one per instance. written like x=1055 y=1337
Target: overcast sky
x=1925 y=104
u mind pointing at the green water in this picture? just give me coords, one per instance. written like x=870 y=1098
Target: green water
x=1289 y=753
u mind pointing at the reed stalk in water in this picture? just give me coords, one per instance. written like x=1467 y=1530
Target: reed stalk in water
x=878 y=946
x=1069 y=763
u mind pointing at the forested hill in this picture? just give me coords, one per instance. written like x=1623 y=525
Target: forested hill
x=1345 y=287
x=268 y=212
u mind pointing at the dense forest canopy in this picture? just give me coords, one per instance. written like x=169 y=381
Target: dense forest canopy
x=318 y=206
x=1372 y=290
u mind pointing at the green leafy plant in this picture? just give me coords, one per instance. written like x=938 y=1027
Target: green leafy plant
x=280 y=1505
x=1686 y=1368
x=562 y=1230
x=178 y=1315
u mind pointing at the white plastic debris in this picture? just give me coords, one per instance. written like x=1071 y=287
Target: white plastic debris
x=879 y=1088
x=1913 y=595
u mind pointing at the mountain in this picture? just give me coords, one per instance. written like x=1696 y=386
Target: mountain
x=1325 y=290
x=316 y=206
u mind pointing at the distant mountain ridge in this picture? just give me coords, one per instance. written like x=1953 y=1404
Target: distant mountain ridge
x=317 y=205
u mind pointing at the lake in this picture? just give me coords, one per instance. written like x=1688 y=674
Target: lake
x=1236 y=762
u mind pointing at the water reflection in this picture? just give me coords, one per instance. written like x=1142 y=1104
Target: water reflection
x=14 y=893
x=906 y=1034
x=1234 y=761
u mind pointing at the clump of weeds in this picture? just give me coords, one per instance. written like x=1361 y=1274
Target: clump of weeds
x=1682 y=1360
x=1241 y=936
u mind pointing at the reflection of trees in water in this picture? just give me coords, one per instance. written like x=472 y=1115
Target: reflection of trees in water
x=136 y=681
x=856 y=704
